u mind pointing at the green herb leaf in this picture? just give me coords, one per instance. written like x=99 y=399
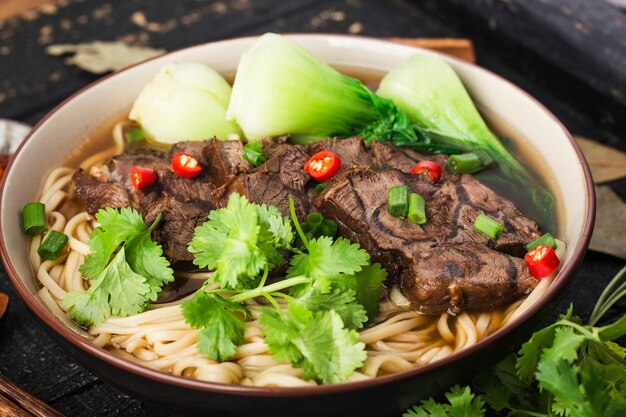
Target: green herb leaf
x=343 y=302
x=253 y=153
x=316 y=342
x=220 y=332
x=116 y=291
x=368 y=287
x=347 y=258
x=531 y=350
x=565 y=345
x=462 y=403
x=228 y=243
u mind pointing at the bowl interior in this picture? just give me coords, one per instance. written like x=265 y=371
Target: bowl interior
x=61 y=133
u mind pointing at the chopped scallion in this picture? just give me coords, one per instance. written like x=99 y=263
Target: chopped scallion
x=52 y=245
x=253 y=153
x=417 y=208
x=398 y=201
x=465 y=163
x=546 y=239
x=135 y=135
x=34 y=218
x=487 y=226
x=329 y=228
x=320 y=187
x=485 y=157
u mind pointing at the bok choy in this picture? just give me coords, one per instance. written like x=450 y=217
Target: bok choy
x=433 y=97
x=184 y=101
x=282 y=88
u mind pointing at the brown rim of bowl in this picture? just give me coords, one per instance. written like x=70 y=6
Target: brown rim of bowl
x=556 y=287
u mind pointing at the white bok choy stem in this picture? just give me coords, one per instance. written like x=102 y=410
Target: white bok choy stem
x=185 y=101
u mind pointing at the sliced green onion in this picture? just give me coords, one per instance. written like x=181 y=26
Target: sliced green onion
x=546 y=239
x=320 y=187
x=487 y=226
x=34 y=218
x=485 y=157
x=135 y=135
x=465 y=163
x=253 y=153
x=398 y=201
x=417 y=208
x=52 y=245
x=329 y=228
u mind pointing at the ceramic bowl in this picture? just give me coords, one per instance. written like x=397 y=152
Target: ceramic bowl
x=63 y=130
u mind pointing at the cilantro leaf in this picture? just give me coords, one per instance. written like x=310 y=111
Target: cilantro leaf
x=145 y=257
x=123 y=281
x=277 y=225
x=343 y=302
x=368 y=286
x=462 y=403
x=317 y=342
x=227 y=242
x=327 y=259
x=220 y=332
x=565 y=345
x=117 y=290
x=561 y=379
x=530 y=351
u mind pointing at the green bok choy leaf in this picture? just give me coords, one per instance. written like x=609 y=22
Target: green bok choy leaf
x=184 y=101
x=282 y=88
x=433 y=97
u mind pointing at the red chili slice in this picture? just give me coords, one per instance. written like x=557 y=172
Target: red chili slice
x=142 y=177
x=322 y=166
x=433 y=170
x=186 y=165
x=541 y=261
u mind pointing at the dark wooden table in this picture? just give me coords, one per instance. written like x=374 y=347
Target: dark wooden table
x=31 y=83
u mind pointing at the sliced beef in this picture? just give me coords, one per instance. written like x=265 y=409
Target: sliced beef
x=388 y=156
x=185 y=202
x=351 y=151
x=467 y=198
x=357 y=200
x=224 y=160
x=271 y=144
x=95 y=194
x=274 y=182
x=177 y=226
x=464 y=276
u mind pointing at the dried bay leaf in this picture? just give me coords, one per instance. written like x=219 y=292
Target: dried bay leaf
x=100 y=57
x=606 y=163
x=609 y=234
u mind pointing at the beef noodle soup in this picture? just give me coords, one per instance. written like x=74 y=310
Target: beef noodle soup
x=414 y=326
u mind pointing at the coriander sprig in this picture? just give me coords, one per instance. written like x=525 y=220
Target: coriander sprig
x=331 y=289
x=565 y=369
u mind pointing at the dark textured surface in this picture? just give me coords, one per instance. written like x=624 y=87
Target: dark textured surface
x=32 y=82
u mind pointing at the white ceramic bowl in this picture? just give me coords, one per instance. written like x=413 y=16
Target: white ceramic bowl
x=62 y=131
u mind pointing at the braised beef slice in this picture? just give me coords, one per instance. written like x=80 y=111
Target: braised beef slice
x=351 y=151
x=281 y=177
x=464 y=276
x=271 y=144
x=224 y=160
x=388 y=156
x=357 y=200
x=184 y=202
x=96 y=194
